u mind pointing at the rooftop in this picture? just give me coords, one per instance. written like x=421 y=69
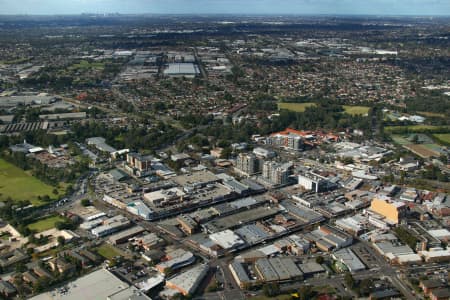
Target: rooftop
x=226 y=239
x=99 y=284
x=181 y=69
x=187 y=282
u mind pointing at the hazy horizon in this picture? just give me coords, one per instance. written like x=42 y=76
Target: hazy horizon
x=248 y=7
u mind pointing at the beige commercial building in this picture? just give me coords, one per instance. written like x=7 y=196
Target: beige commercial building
x=393 y=211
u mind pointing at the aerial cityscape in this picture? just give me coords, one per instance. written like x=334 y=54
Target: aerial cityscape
x=218 y=149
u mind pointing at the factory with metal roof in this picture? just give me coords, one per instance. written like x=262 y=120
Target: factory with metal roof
x=277 y=269
x=187 y=282
x=349 y=259
x=189 y=70
x=100 y=284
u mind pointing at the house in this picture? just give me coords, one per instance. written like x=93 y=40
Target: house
x=29 y=277
x=61 y=265
x=42 y=272
x=7 y=290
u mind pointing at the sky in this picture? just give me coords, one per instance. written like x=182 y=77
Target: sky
x=367 y=7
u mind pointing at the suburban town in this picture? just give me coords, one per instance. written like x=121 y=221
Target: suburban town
x=224 y=157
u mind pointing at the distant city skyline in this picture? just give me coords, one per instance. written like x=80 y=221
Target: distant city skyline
x=338 y=7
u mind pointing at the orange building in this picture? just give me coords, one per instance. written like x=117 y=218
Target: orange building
x=393 y=211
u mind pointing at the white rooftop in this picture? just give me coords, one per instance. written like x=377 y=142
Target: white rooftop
x=440 y=233
x=226 y=239
x=182 y=69
x=96 y=285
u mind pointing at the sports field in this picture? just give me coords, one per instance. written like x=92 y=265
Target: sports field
x=19 y=185
x=45 y=224
x=297 y=107
x=423 y=150
x=356 y=110
x=443 y=137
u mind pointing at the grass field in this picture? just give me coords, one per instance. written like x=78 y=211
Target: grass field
x=415 y=128
x=45 y=224
x=301 y=107
x=400 y=139
x=85 y=65
x=443 y=138
x=107 y=251
x=431 y=114
x=297 y=107
x=279 y=297
x=356 y=110
x=19 y=185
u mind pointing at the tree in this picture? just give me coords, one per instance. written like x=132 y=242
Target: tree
x=168 y=271
x=61 y=240
x=226 y=152
x=20 y=268
x=349 y=281
x=85 y=202
x=305 y=292
x=213 y=286
x=319 y=260
x=271 y=289
x=364 y=286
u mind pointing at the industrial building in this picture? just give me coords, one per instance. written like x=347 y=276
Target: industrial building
x=227 y=239
x=13 y=101
x=111 y=225
x=239 y=273
x=148 y=241
x=189 y=70
x=187 y=223
x=311 y=268
x=354 y=225
x=397 y=253
x=277 y=269
x=100 y=284
x=187 y=282
x=328 y=238
x=304 y=214
x=139 y=209
x=436 y=255
x=176 y=259
x=64 y=116
x=100 y=144
x=348 y=259
x=125 y=235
